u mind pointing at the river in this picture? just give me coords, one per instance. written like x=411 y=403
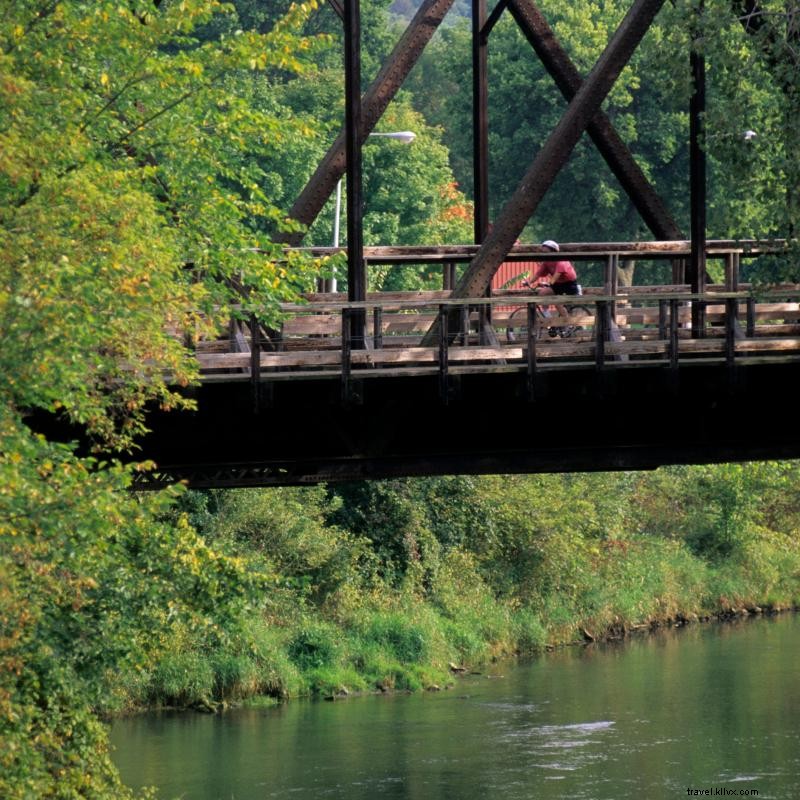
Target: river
x=712 y=706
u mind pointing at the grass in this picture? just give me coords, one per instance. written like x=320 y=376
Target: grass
x=407 y=639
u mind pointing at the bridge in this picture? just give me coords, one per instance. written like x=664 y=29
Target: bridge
x=649 y=375
x=469 y=380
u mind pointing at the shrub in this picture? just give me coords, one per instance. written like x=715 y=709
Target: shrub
x=529 y=631
x=314 y=645
x=181 y=679
x=405 y=640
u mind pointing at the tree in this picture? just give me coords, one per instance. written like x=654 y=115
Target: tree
x=131 y=198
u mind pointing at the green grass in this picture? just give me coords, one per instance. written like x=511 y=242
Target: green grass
x=406 y=639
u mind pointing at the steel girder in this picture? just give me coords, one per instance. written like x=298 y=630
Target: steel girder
x=377 y=97
x=615 y=152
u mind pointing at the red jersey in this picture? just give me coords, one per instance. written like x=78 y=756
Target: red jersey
x=557 y=271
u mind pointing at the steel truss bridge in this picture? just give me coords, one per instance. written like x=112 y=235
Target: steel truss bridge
x=649 y=375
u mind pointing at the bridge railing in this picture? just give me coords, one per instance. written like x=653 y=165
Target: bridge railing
x=430 y=332
x=433 y=334
x=607 y=255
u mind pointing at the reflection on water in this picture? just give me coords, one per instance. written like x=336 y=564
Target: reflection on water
x=714 y=706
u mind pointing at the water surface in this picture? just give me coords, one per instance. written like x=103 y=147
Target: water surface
x=704 y=707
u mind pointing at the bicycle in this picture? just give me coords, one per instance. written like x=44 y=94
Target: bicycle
x=542 y=316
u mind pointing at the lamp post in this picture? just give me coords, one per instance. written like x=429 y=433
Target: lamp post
x=405 y=137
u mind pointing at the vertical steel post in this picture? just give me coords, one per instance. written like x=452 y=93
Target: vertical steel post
x=697 y=173
x=356 y=269
x=480 y=121
x=480 y=140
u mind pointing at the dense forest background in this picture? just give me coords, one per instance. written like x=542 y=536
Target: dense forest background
x=149 y=152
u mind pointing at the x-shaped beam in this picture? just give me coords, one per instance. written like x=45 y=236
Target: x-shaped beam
x=615 y=152
x=377 y=97
x=583 y=107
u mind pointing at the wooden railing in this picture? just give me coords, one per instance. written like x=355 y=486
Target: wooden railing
x=610 y=326
x=644 y=327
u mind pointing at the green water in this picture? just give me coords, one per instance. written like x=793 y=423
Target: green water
x=706 y=707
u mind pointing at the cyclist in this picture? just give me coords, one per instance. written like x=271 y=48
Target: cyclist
x=554 y=277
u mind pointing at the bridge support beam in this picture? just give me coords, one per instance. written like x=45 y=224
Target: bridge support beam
x=356 y=268
x=374 y=102
x=697 y=176
x=608 y=142
x=480 y=121
x=557 y=149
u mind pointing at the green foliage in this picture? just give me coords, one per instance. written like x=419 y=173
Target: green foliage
x=147 y=151
x=401 y=637
x=314 y=646
x=130 y=196
x=529 y=632
x=93 y=585
x=500 y=565
x=384 y=513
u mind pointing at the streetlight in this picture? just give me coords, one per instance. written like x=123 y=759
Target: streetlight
x=405 y=137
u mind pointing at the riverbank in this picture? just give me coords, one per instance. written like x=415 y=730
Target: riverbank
x=431 y=677
x=401 y=585
x=696 y=706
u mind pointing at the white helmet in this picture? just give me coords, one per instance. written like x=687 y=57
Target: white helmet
x=551 y=244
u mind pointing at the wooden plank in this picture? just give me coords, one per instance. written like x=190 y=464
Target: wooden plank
x=772 y=345
x=267 y=360
x=534 y=252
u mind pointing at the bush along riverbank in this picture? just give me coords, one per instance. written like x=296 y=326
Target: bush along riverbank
x=398 y=585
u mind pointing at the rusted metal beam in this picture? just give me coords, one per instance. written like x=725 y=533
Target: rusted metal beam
x=373 y=104
x=336 y=5
x=356 y=269
x=557 y=149
x=615 y=152
x=697 y=178
x=480 y=122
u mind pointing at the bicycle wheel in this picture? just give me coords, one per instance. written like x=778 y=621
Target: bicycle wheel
x=519 y=318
